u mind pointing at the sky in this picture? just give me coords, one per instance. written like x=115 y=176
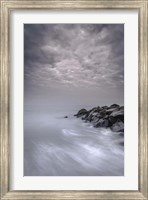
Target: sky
x=73 y=64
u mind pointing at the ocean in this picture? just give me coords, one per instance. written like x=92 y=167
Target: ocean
x=58 y=146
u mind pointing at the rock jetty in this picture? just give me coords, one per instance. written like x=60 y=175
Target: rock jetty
x=107 y=116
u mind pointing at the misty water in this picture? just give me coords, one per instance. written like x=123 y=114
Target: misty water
x=58 y=146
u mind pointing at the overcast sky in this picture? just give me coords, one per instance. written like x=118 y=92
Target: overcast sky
x=74 y=64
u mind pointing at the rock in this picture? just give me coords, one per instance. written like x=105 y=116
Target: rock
x=121 y=107
x=85 y=116
x=93 y=110
x=98 y=108
x=102 y=123
x=95 y=121
x=89 y=118
x=103 y=113
x=106 y=117
x=96 y=118
x=112 y=120
x=112 y=116
x=81 y=112
x=66 y=117
x=118 y=115
x=90 y=114
x=114 y=106
x=118 y=127
x=104 y=107
x=110 y=110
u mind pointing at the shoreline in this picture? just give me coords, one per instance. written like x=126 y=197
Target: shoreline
x=106 y=117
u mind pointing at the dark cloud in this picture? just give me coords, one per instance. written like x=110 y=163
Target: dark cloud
x=74 y=55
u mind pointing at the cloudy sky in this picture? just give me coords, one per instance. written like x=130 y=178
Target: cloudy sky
x=74 y=64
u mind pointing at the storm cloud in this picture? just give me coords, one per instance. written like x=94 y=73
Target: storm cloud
x=73 y=58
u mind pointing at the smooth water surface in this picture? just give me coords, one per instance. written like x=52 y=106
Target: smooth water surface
x=58 y=146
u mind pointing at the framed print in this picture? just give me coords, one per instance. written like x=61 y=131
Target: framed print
x=74 y=99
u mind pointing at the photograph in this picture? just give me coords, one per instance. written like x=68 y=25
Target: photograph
x=74 y=91
x=73 y=99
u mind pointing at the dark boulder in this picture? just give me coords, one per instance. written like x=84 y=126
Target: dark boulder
x=104 y=107
x=89 y=118
x=98 y=109
x=102 y=123
x=112 y=120
x=96 y=118
x=121 y=108
x=90 y=114
x=95 y=121
x=114 y=106
x=103 y=113
x=66 y=117
x=106 y=117
x=81 y=112
x=110 y=110
x=93 y=110
x=85 y=115
x=112 y=116
x=118 y=115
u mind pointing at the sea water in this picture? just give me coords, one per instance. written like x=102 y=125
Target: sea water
x=58 y=146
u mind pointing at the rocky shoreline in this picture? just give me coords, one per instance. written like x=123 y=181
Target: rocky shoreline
x=107 y=116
